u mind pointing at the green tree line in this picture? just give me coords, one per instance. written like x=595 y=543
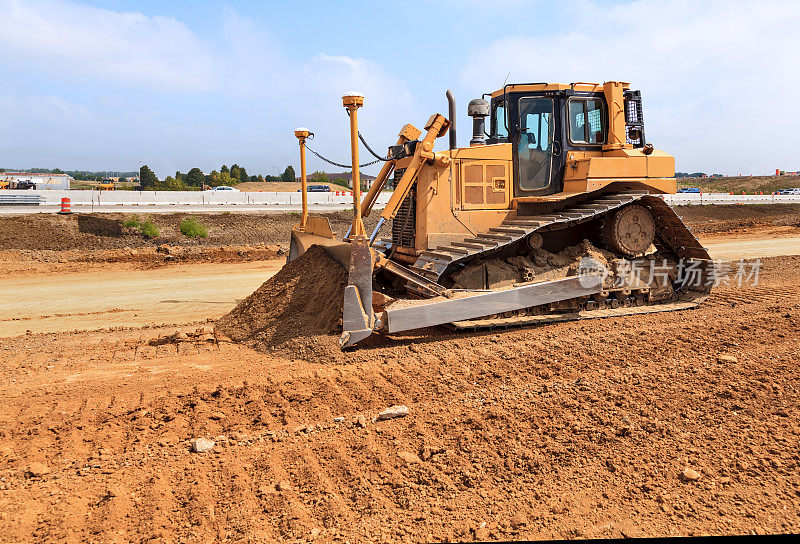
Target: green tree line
x=195 y=179
x=79 y=175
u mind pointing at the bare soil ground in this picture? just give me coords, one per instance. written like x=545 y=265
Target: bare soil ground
x=102 y=237
x=750 y=218
x=653 y=425
x=748 y=184
x=622 y=427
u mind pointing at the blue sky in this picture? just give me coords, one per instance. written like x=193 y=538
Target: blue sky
x=107 y=85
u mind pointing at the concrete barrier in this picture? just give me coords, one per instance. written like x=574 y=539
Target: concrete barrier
x=82 y=198
x=727 y=198
x=194 y=198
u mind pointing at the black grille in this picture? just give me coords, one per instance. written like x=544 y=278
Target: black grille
x=634 y=121
x=404 y=224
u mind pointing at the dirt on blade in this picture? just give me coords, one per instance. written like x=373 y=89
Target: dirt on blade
x=304 y=299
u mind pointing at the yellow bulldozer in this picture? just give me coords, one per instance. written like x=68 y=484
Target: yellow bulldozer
x=548 y=167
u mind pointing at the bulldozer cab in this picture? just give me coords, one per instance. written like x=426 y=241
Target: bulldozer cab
x=543 y=125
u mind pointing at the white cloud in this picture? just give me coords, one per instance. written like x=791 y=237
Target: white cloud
x=718 y=78
x=80 y=41
x=239 y=93
x=713 y=74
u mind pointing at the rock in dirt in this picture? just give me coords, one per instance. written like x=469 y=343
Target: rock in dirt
x=409 y=457
x=202 y=445
x=360 y=421
x=690 y=475
x=37 y=470
x=303 y=299
x=727 y=359
x=284 y=485
x=481 y=532
x=398 y=410
x=519 y=520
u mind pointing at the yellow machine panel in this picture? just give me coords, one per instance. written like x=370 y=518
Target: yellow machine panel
x=484 y=185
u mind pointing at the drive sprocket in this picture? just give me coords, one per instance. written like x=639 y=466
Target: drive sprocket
x=630 y=230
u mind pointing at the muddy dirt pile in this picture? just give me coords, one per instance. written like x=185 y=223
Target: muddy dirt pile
x=303 y=299
x=539 y=265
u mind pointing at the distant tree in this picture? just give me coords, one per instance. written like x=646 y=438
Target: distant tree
x=225 y=168
x=212 y=178
x=195 y=177
x=320 y=177
x=57 y=171
x=147 y=178
x=260 y=178
x=224 y=178
x=238 y=173
x=288 y=175
x=123 y=180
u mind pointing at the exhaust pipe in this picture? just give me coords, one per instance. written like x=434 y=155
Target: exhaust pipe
x=451 y=106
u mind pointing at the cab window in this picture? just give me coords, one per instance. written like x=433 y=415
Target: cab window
x=499 y=129
x=586 y=121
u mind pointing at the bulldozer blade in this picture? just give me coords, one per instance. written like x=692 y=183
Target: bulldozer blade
x=317 y=231
x=301 y=241
x=432 y=312
x=357 y=315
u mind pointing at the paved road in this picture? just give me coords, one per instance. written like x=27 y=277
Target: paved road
x=184 y=293
x=175 y=208
x=125 y=296
x=734 y=249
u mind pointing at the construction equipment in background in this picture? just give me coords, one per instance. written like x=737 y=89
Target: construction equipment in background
x=106 y=185
x=560 y=164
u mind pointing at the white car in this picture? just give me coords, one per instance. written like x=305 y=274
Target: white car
x=225 y=188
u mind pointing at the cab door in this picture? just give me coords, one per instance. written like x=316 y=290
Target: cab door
x=533 y=143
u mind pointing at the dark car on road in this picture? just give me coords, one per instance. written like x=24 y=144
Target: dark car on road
x=317 y=189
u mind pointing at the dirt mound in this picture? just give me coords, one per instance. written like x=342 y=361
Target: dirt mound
x=303 y=299
x=715 y=218
x=80 y=231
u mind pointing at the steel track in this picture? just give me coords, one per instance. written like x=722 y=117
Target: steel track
x=671 y=234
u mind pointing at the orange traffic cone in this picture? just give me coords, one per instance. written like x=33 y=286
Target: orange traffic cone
x=65 y=209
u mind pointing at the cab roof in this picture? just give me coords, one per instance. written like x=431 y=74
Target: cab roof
x=581 y=86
